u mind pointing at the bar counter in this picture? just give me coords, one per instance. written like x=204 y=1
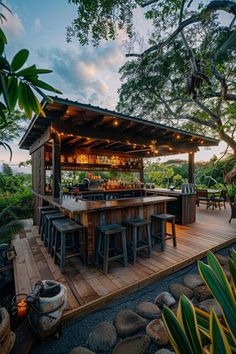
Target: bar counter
x=184 y=206
x=91 y=214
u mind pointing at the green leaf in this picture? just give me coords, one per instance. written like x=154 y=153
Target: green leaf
x=4 y=90
x=3 y=41
x=176 y=334
x=216 y=267
x=31 y=70
x=45 y=86
x=222 y=295
x=13 y=92
x=33 y=101
x=219 y=341
x=23 y=99
x=19 y=59
x=189 y=322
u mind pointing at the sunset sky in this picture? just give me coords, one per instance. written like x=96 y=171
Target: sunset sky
x=87 y=74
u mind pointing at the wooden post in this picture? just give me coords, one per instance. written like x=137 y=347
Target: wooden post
x=141 y=173
x=191 y=167
x=56 y=165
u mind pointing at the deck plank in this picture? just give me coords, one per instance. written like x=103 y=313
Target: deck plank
x=88 y=288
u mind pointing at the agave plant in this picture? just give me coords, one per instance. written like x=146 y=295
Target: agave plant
x=194 y=331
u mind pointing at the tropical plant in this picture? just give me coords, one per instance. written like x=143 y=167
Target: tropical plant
x=185 y=74
x=9 y=224
x=195 y=331
x=18 y=85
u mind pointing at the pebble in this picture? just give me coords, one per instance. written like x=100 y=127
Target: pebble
x=207 y=304
x=103 y=337
x=133 y=345
x=178 y=289
x=201 y=293
x=165 y=298
x=222 y=259
x=157 y=332
x=148 y=310
x=128 y=322
x=192 y=281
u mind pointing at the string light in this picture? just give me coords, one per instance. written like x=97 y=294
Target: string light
x=116 y=122
x=178 y=136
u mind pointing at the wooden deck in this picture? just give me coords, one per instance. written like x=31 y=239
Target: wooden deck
x=88 y=288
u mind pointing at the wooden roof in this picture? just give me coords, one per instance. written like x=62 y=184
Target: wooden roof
x=88 y=128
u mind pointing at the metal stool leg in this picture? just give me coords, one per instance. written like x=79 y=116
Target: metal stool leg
x=97 y=258
x=134 y=244
x=163 y=235
x=106 y=254
x=149 y=240
x=173 y=232
x=123 y=235
x=63 y=250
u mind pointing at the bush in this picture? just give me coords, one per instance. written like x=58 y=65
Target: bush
x=20 y=204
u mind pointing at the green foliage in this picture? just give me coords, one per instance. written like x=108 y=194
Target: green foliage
x=158 y=173
x=9 y=224
x=196 y=331
x=7 y=170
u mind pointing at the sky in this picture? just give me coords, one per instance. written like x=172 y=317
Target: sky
x=84 y=73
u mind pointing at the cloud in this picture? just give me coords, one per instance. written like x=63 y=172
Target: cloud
x=13 y=26
x=88 y=74
x=37 y=25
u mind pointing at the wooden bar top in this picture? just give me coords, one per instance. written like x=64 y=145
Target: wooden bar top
x=90 y=206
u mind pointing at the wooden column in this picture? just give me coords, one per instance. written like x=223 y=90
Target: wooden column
x=141 y=173
x=56 y=165
x=191 y=168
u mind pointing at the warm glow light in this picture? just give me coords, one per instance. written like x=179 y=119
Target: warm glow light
x=22 y=308
x=148 y=152
x=177 y=136
x=202 y=141
x=191 y=139
x=156 y=151
x=170 y=148
x=116 y=122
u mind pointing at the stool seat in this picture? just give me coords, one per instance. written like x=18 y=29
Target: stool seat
x=137 y=222
x=111 y=229
x=67 y=225
x=103 y=249
x=163 y=216
x=163 y=235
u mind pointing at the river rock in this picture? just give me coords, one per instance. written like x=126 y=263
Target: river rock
x=222 y=259
x=148 y=310
x=207 y=304
x=128 y=322
x=201 y=293
x=192 y=281
x=81 y=350
x=178 y=289
x=164 y=351
x=156 y=331
x=165 y=298
x=133 y=345
x=102 y=337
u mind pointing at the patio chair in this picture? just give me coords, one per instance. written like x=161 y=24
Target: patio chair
x=233 y=210
x=222 y=198
x=202 y=196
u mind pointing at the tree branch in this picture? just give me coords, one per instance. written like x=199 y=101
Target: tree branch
x=214 y=116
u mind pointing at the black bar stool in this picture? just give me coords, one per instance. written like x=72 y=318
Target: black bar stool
x=43 y=208
x=139 y=241
x=48 y=228
x=43 y=214
x=163 y=235
x=104 y=249
x=63 y=229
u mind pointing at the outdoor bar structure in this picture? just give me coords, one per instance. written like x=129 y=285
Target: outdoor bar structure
x=80 y=137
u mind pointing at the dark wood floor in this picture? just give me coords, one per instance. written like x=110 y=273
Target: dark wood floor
x=88 y=288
